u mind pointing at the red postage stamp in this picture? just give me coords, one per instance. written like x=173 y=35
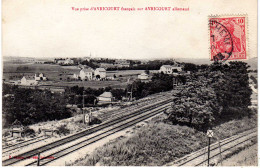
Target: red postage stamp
x=227 y=38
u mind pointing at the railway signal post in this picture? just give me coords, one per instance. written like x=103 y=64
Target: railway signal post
x=210 y=135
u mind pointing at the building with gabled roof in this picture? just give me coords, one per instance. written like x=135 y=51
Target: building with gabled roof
x=101 y=72
x=86 y=74
x=105 y=98
x=170 y=69
x=143 y=76
x=40 y=77
x=26 y=82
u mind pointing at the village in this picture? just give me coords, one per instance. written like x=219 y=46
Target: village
x=94 y=93
x=87 y=75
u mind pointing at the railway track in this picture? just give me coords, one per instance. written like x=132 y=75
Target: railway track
x=199 y=158
x=10 y=139
x=95 y=138
x=23 y=144
x=11 y=145
x=137 y=115
x=153 y=99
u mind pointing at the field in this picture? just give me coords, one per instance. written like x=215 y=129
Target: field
x=62 y=75
x=53 y=72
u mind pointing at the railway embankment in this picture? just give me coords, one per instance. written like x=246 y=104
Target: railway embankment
x=158 y=143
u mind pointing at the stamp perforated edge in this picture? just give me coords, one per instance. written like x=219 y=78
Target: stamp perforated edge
x=246 y=27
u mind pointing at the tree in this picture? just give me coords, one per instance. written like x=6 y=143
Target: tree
x=30 y=106
x=231 y=85
x=213 y=96
x=190 y=67
x=195 y=105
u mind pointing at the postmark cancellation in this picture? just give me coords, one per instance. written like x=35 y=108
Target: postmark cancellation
x=228 y=37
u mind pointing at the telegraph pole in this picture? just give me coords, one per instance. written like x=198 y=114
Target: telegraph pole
x=208 y=151
x=38 y=159
x=83 y=104
x=210 y=135
x=131 y=93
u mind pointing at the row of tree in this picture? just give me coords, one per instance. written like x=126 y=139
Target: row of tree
x=219 y=93
x=29 y=106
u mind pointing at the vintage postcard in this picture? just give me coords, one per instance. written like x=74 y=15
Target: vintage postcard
x=129 y=83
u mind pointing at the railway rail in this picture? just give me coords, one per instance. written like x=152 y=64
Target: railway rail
x=198 y=158
x=149 y=100
x=23 y=144
x=138 y=115
x=97 y=137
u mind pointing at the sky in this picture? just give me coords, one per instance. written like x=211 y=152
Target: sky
x=47 y=28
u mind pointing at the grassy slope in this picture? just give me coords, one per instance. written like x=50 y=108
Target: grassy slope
x=246 y=157
x=159 y=143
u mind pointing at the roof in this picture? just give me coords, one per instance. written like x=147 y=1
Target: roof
x=38 y=74
x=106 y=94
x=87 y=70
x=101 y=69
x=167 y=66
x=144 y=74
x=171 y=66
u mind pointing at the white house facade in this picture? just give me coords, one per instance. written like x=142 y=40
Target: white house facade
x=40 y=77
x=101 y=72
x=170 y=69
x=86 y=74
x=26 y=82
x=68 y=61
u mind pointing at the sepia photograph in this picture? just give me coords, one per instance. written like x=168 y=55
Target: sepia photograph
x=129 y=83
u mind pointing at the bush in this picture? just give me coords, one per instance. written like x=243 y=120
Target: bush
x=28 y=131
x=95 y=120
x=63 y=130
x=6 y=133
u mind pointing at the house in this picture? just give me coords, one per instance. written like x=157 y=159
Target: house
x=105 y=98
x=143 y=76
x=40 y=77
x=86 y=74
x=26 y=82
x=170 y=69
x=68 y=61
x=101 y=72
x=61 y=61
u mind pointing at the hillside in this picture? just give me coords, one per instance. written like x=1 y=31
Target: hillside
x=252 y=62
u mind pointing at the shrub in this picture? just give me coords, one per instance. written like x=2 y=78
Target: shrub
x=28 y=131
x=63 y=130
x=6 y=133
x=95 y=120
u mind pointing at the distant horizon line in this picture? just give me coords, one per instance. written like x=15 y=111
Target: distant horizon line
x=93 y=57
